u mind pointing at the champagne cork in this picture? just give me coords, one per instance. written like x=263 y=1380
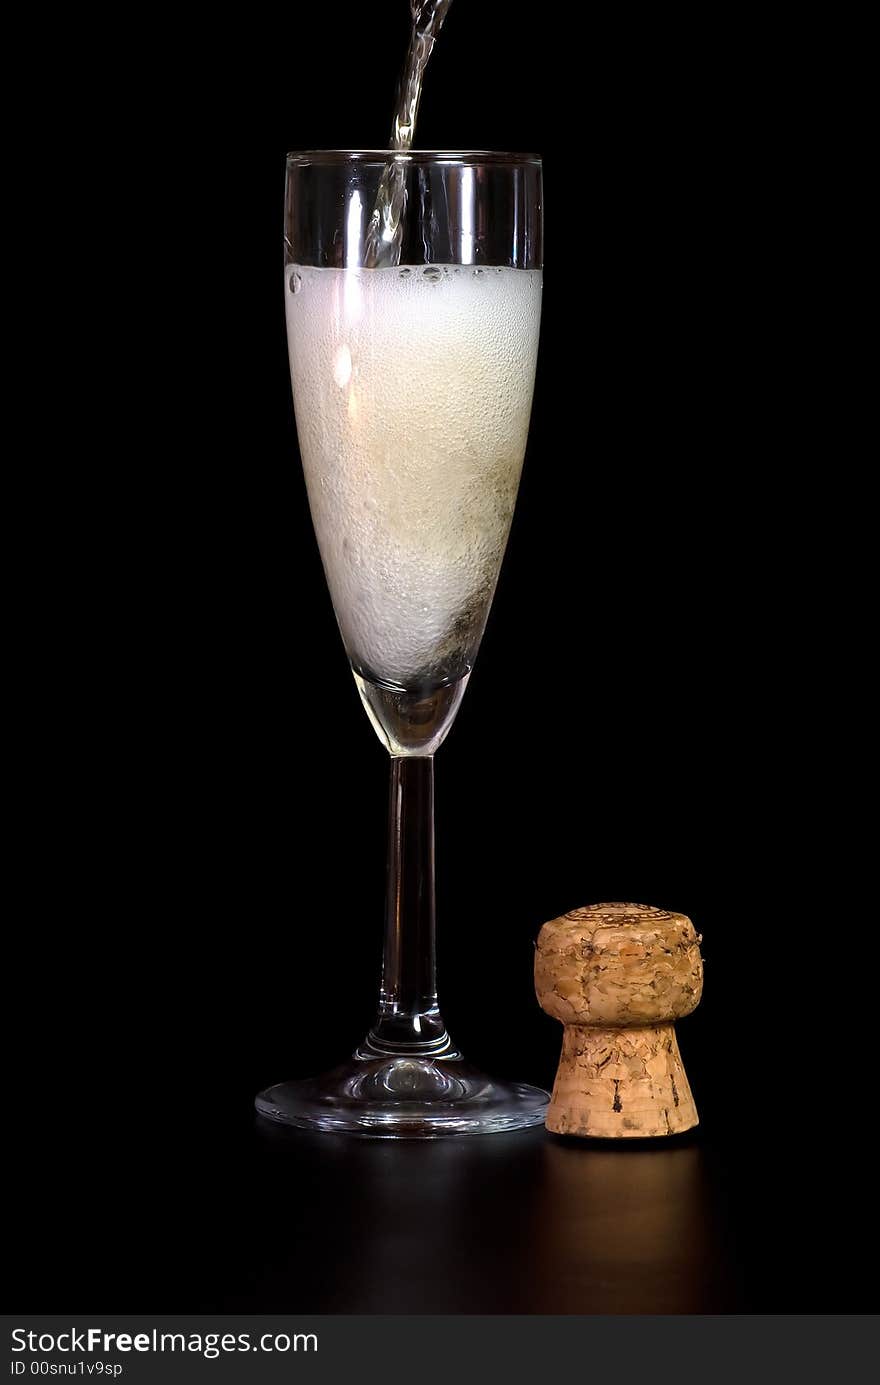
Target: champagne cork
x=618 y=976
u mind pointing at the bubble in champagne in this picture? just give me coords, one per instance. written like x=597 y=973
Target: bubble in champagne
x=432 y=273
x=294 y=283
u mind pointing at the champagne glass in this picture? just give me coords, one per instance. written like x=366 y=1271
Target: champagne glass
x=413 y=337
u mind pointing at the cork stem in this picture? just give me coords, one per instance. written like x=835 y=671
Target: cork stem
x=615 y=1083
x=409 y=1019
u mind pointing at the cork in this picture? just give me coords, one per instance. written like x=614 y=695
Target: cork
x=618 y=976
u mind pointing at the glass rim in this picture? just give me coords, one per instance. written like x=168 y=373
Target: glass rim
x=303 y=157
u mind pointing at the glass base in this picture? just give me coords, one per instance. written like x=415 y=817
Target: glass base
x=397 y=1096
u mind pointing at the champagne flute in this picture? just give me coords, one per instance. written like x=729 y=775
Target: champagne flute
x=412 y=373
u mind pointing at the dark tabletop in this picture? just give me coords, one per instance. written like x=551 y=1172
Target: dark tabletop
x=226 y=1215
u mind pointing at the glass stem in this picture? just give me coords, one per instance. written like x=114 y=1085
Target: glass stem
x=409 y=1019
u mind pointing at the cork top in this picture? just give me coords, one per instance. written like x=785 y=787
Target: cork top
x=618 y=963
x=621 y=913
x=616 y=929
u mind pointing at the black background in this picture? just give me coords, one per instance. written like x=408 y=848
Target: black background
x=204 y=821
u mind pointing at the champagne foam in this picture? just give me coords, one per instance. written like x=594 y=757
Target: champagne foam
x=412 y=389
